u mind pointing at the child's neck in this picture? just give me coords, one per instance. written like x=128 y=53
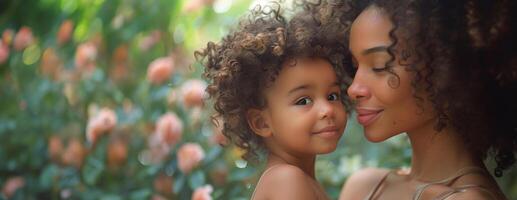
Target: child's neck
x=306 y=164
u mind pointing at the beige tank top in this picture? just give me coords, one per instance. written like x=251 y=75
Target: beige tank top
x=447 y=181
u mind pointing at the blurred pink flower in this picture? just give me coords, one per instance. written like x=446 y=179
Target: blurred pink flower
x=65 y=32
x=74 y=153
x=193 y=92
x=196 y=5
x=190 y=156
x=7 y=36
x=50 y=64
x=202 y=193
x=85 y=56
x=23 y=38
x=4 y=52
x=117 y=153
x=169 y=128
x=150 y=40
x=11 y=185
x=104 y=121
x=163 y=184
x=160 y=70
x=55 y=147
x=120 y=71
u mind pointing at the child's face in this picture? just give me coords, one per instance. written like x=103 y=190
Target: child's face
x=304 y=109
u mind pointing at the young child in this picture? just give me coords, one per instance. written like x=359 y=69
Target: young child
x=279 y=89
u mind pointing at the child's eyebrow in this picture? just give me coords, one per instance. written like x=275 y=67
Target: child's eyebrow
x=304 y=87
x=301 y=87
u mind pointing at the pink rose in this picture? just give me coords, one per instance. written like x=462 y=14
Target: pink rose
x=203 y=193
x=65 y=32
x=85 y=57
x=23 y=38
x=4 y=52
x=160 y=70
x=74 y=154
x=158 y=149
x=117 y=153
x=169 y=128
x=104 y=121
x=55 y=147
x=7 y=36
x=150 y=40
x=163 y=184
x=50 y=64
x=196 y=5
x=189 y=156
x=193 y=92
x=12 y=184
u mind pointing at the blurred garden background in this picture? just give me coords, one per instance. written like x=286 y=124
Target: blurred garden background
x=102 y=99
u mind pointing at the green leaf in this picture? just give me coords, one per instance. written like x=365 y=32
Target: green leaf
x=240 y=174
x=196 y=179
x=47 y=176
x=140 y=194
x=92 y=169
x=179 y=183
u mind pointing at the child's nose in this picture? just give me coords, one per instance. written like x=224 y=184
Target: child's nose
x=326 y=110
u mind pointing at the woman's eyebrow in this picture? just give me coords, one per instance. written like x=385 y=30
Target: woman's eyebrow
x=375 y=50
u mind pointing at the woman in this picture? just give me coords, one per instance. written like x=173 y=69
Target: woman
x=444 y=73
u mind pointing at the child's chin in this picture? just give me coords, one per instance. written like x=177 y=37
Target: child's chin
x=328 y=149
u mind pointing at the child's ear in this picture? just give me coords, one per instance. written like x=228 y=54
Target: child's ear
x=258 y=122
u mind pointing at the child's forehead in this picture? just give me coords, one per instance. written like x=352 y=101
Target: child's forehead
x=305 y=70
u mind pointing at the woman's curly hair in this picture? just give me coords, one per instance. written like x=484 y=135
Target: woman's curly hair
x=248 y=60
x=463 y=54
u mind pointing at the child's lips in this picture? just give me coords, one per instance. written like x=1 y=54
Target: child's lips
x=328 y=132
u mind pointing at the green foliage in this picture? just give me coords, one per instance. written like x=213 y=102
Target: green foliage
x=52 y=89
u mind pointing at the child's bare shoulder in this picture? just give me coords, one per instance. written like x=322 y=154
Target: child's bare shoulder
x=285 y=181
x=281 y=171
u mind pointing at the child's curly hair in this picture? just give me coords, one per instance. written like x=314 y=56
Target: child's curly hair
x=248 y=60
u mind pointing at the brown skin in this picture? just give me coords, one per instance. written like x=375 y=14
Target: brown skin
x=304 y=116
x=436 y=155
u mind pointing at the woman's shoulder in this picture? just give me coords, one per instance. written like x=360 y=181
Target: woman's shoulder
x=362 y=182
x=284 y=181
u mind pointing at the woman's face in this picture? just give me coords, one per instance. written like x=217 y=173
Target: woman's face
x=385 y=103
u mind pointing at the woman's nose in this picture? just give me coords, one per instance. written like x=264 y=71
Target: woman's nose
x=358 y=90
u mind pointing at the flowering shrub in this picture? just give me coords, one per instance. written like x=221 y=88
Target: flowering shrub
x=102 y=100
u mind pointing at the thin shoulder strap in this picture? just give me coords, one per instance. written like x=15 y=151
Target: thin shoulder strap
x=462 y=172
x=376 y=188
x=263 y=173
x=464 y=188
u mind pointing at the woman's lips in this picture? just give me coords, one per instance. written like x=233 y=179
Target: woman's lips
x=366 y=116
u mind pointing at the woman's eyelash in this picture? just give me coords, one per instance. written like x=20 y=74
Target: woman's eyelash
x=379 y=69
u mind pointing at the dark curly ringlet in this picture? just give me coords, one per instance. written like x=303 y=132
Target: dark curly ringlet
x=463 y=53
x=248 y=60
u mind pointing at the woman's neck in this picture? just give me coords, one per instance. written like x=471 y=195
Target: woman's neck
x=438 y=155
x=306 y=164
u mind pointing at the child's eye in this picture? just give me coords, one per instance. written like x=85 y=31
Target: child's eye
x=304 y=101
x=333 y=97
